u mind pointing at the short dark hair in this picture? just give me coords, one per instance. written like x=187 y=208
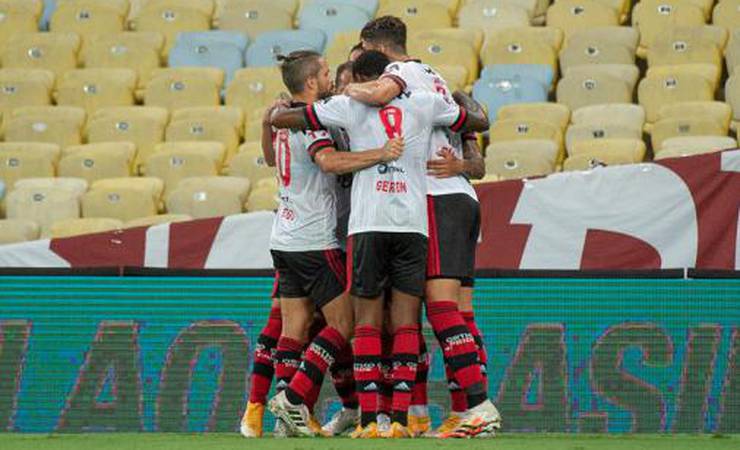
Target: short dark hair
x=298 y=67
x=388 y=30
x=345 y=66
x=357 y=46
x=370 y=64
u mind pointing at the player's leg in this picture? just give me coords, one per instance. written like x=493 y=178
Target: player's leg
x=342 y=376
x=467 y=311
x=419 y=420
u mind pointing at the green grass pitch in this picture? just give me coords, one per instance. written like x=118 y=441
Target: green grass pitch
x=153 y=441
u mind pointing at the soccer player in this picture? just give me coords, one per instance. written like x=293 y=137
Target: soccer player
x=388 y=227
x=306 y=253
x=454 y=225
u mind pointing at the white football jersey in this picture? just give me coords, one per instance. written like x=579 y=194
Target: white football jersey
x=389 y=197
x=307 y=216
x=413 y=75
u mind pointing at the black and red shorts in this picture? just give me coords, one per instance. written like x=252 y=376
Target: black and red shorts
x=317 y=275
x=454 y=227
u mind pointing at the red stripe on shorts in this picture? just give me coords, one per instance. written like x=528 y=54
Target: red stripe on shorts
x=433 y=263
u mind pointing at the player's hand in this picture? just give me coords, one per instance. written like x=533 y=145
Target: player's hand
x=280 y=103
x=448 y=166
x=393 y=149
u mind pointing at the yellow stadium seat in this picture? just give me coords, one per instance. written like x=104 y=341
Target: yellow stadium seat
x=208 y=197
x=732 y=96
x=555 y=114
x=238 y=186
x=127 y=149
x=231 y=115
x=577 y=91
x=143 y=126
x=51 y=152
x=77 y=186
x=521 y=159
x=727 y=14
x=98 y=161
x=13 y=231
x=290 y=6
x=136 y=51
x=589 y=52
x=20 y=87
x=88 y=19
x=255 y=87
x=186 y=161
x=92 y=89
x=337 y=51
x=160 y=219
x=182 y=91
x=551 y=36
x=215 y=150
x=121 y=203
x=418 y=15
x=56 y=125
x=43 y=206
x=720 y=112
x=694 y=145
x=632 y=149
x=656 y=91
x=436 y=52
x=76 y=227
x=480 y=15
x=249 y=163
x=204 y=130
x=521 y=128
x=628 y=73
x=682 y=127
x=654 y=17
x=456 y=77
x=473 y=37
x=152 y=186
x=625 y=114
x=263 y=199
x=16 y=19
x=665 y=51
x=56 y=52
x=572 y=16
x=624 y=36
x=170 y=19
x=505 y=47
x=603 y=155
x=578 y=133
x=34 y=7
x=253 y=17
x=15 y=165
x=621 y=7
x=693 y=33
x=708 y=72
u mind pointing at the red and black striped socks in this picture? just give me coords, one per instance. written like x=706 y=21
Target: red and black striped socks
x=263 y=368
x=342 y=376
x=469 y=318
x=405 y=360
x=420 y=397
x=287 y=361
x=367 y=350
x=320 y=355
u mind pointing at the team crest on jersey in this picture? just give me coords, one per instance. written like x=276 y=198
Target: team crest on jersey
x=385 y=168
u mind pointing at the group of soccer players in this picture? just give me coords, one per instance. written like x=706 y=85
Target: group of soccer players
x=391 y=148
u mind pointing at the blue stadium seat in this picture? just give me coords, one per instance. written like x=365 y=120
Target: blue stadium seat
x=540 y=72
x=2 y=189
x=332 y=17
x=49 y=7
x=268 y=45
x=240 y=40
x=369 y=6
x=497 y=91
x=227 y=57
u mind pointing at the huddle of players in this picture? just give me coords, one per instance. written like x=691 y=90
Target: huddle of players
x=412 y=231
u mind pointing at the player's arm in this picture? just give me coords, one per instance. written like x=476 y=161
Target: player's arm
x=293 y=118
x=475 y=118
x=332 y=161
x=268 y=150
x=378 y=92
x=472 y=164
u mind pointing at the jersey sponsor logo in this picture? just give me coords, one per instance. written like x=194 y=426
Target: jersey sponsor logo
x=384 y=168
x=391 y=187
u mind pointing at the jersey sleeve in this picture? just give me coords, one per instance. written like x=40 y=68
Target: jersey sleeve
x=332 y=112
x=317 y=141
x=396 y=72
x=447 y=113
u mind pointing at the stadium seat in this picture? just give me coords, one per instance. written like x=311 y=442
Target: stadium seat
x=208 y=197
x=159 y=219
x=170 y=20
x=586 y=89
x=182 y=160
x=204 y=129
x=697 y=33
x=249 y=163
x=720 y=112
x=418 y=15
x=228 y=114
x=573 y=16
x=708 y=72
x=665 y=51
x=20 y=87
x=682 y=127
x=555 y=114
x=57 y=125
x=265 y=49
x=44 y=206
x=370 y=7
x=56 y=52
x=654 y=17
x=627 y=73
x=92 y=89
x=607 y=152
x=507 y=48
x=542 y=73
x=143 y=126
x=626 y=114
x=93 y=162
x=254 y=87
x=121 y=203
x=474 y=38
x=624 y=36
x=585 y=51
x=484 y=16
x=338 y=49
x=51 y=152
x=694 y=145
x=188 y=88
x=253 y=17
x=524 y=128
x=88 y=18
x=494 y=93
x=136 y=51
x=456 y=53
x=152 y=186
x=455 y=76
x=224 y=56
x=656 y=91
x=193 y=38
x=263 y=199
x=13 y=231
x=726 y=14
x=732 y=52
x=521 y=159
x=332 y=18
x=15 y=165
x=578 y=133
x=76 y=227
x=16 y=18
x=78 y=186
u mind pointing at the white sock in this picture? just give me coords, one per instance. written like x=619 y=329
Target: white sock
x=419 y=410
